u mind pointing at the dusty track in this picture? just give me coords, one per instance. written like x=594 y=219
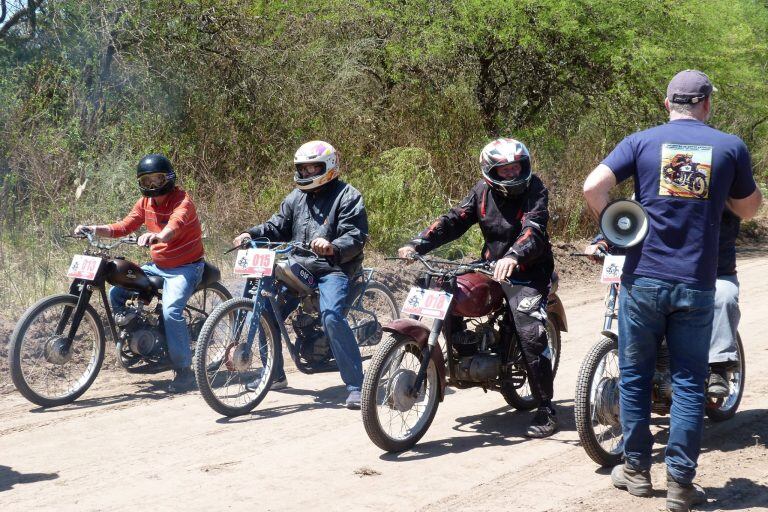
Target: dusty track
x=127 y=446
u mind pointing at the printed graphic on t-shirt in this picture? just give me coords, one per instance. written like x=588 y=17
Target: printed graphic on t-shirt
x=685 y=170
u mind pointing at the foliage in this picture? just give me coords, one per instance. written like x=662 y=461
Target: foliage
x=409 y=91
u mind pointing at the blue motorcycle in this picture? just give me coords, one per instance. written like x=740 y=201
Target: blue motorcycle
x=239 y=342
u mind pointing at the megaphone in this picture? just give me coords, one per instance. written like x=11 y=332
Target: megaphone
x=624 y=223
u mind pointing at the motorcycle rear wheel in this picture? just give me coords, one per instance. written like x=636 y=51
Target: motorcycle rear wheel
x=386 y=399
x=596 y=404
x=377 y=303
x=42 y=372
x=222 y=370
x=725 y=408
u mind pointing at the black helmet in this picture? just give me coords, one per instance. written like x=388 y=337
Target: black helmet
x=156 y=164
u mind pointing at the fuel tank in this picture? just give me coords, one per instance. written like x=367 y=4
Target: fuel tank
x=128 y=275
x=295 y=277
x=477 y=295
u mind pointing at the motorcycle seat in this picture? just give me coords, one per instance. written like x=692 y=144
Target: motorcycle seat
x=211 y=274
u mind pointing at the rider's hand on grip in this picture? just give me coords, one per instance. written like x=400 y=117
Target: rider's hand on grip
x=147 y=239
x=81 y=230
x=241 y=239
x=596 y=252
x=322 y=247
x=504 y=268
x=406 y=252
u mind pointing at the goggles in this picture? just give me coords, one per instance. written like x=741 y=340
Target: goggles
x=153 y=181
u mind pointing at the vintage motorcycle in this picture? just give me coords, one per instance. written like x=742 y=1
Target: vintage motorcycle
x=407 y=376
x=233 y=370
x=57 y=347
x=596 y=403
x=688 y=177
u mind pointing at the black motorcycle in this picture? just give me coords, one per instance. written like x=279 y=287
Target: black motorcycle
x=57 y=347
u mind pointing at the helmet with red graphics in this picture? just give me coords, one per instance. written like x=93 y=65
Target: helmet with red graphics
x=506 y=166
x=317 y=163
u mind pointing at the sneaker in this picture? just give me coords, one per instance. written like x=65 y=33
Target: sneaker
x=544 y=424
x=681 y=497
x=183 y=381
x=636 y=482
x=277 y=385
x=717 y=385
x=353 y=400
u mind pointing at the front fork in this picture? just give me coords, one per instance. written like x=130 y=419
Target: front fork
x=83 y=291
x=426 y=355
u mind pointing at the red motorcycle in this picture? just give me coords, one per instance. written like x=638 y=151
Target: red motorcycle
x=407 y=377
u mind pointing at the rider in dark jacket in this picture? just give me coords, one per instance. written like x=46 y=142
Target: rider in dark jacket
x=329 y=216
x=510 y=205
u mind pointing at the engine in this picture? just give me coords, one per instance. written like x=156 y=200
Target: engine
x=477 y=353
x=313 y=344
x=140 y=330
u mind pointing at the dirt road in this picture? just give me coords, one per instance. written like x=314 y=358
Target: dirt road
x=127 y=446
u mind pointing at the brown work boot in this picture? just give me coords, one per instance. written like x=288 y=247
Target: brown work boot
x=636 y=482
x=681 y=497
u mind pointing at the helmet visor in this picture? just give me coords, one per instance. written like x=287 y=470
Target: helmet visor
x=153 y=181
x=310 y=170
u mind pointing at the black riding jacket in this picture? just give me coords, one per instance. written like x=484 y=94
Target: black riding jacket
x=511 y=226
x=335 y=212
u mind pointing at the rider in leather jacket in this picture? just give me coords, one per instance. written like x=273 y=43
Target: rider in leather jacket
x=510 y=205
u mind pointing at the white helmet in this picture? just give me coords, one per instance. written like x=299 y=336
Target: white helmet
x=316 y=151
x=503 y=151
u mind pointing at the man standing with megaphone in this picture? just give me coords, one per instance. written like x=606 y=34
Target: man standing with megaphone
x=685 y=172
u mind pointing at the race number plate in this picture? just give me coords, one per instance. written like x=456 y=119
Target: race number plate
x=255 y=262
x=427 y=303
x=84 y=267
x=612 y=269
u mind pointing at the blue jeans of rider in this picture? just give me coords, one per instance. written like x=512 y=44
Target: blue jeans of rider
x=179 y=285
x=650 y=310
x=333 y=289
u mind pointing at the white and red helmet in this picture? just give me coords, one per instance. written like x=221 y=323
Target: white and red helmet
x=503 y=151
x=316 y=151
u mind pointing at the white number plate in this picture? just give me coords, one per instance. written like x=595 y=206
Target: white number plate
x=612 y=269
x=84 y=267
x=255 y=262
x=427 y=303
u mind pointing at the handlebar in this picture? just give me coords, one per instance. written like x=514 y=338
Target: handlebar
x=278 y=247
x=483 y=267
x=94 y=241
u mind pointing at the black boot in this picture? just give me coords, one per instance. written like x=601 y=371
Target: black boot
x=544 y=424
x=183 y=381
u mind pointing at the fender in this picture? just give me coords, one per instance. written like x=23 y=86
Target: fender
x=556 y=312
x=419 y=333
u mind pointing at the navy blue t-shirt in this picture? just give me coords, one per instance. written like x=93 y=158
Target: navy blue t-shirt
x=684 y=171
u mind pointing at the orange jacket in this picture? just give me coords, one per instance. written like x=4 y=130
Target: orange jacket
x=178 y=212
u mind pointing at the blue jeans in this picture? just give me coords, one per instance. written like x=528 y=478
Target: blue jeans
x=178 y=286
x=650 y=310
x=722 y=347
x=333 y=289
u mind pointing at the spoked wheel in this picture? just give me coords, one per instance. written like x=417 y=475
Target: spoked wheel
x=699 y=185
x=395 y=417
x=596 y=404
x=46 y=368
x=553 y=343
x=376 y=308
x=721 y=409
x=200 y=306
x=232 y=377
x=520 y=395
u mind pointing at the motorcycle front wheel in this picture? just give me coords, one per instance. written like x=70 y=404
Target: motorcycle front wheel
x=596 y=404
x=46 y=368
x=232 y=377
x=721 y=409
x=395 y=417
